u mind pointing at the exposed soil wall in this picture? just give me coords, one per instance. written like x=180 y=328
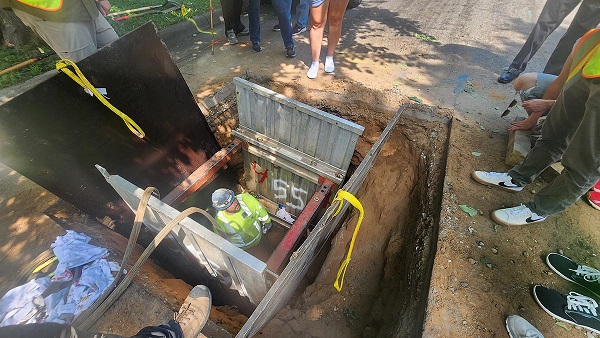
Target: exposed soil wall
x=385 y=288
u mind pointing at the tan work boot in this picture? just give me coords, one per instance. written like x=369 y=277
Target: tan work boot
x=194 y=311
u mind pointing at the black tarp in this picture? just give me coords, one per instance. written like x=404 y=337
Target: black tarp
x=55 y=133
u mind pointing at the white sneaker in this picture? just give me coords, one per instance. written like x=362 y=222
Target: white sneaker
x=518 y=327
x=500 y=180
x=520 y=215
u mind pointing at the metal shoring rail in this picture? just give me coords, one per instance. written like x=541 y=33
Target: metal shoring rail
x=281 y=291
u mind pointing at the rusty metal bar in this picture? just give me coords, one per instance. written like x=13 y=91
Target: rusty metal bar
x=203 y=175
x=284 y=250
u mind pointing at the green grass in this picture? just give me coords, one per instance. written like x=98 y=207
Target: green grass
x=10 y=56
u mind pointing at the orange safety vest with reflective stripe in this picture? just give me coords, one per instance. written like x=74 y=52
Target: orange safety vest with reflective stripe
x=586 y=56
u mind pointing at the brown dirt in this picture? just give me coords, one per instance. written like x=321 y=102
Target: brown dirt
x=400 y=206
x=466 y=298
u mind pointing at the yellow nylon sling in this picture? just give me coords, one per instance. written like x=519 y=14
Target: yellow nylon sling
x=340 y=196
x=78 y=77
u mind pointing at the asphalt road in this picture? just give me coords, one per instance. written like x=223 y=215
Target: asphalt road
x=384 y=45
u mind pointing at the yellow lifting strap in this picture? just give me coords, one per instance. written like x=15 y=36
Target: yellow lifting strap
x=340 y=196
x=63 y=65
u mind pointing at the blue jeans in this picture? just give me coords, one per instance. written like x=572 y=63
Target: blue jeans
x=284 y=10
x=254 y=21
x=301 y=13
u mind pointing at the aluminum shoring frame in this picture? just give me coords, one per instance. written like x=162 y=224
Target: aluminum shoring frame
x=281 y=291
x=202 y=176
x=284 y=251
x=290 y=154
x=248 y=272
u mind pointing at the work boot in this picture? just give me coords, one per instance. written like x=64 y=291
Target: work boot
x=194 y=311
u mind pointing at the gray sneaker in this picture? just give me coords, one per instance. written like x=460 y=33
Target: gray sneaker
x=231 y=37
x=194 y=311
x=520 y=328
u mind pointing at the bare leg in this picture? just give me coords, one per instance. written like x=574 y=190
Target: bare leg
x=525 y=81
x=318 y=18
x=335 y=16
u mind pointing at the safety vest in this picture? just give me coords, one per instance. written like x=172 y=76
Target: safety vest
x=243 y=228
x=46 y=5
x=586 y=56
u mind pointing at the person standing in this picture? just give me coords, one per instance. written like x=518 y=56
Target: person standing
x=330 y=12
x=569 y=133
x=552 y=15
x=74 y=29
x=232 y=11
x=241 y=219
x=301 y=18
x=283 y=9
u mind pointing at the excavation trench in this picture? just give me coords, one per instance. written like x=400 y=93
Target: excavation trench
x=386 y=284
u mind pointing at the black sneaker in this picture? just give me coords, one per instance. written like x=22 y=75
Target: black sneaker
x=572 y=308
x=243 y=32
x=508 y=76
x=290 y=52
x=276 y=28
x=256 y=47
x=297 y=29
x=583 y=275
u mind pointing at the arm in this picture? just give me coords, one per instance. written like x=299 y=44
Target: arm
x=537 y=107
x=103 y=7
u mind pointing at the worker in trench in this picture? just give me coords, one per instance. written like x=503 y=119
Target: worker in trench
x=242 y=220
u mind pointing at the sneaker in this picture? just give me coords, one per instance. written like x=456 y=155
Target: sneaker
x=593 y=198
x=500 y=180
x=508 y=76
x=573 y=308
x=231 y=37
x=520 y=215
x=518 y=327
x=256 y=47
x=290 y=52
x=276 y=28
x=194 y=311
x=297 y=29
x=243 y=32
x=583 y=275
x=596 y=187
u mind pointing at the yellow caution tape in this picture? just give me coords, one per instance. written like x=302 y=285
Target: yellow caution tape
x=340 y=196
x=63 y=65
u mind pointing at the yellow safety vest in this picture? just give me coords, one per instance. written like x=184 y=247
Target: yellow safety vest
x=46 y=5
x=586 y=56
